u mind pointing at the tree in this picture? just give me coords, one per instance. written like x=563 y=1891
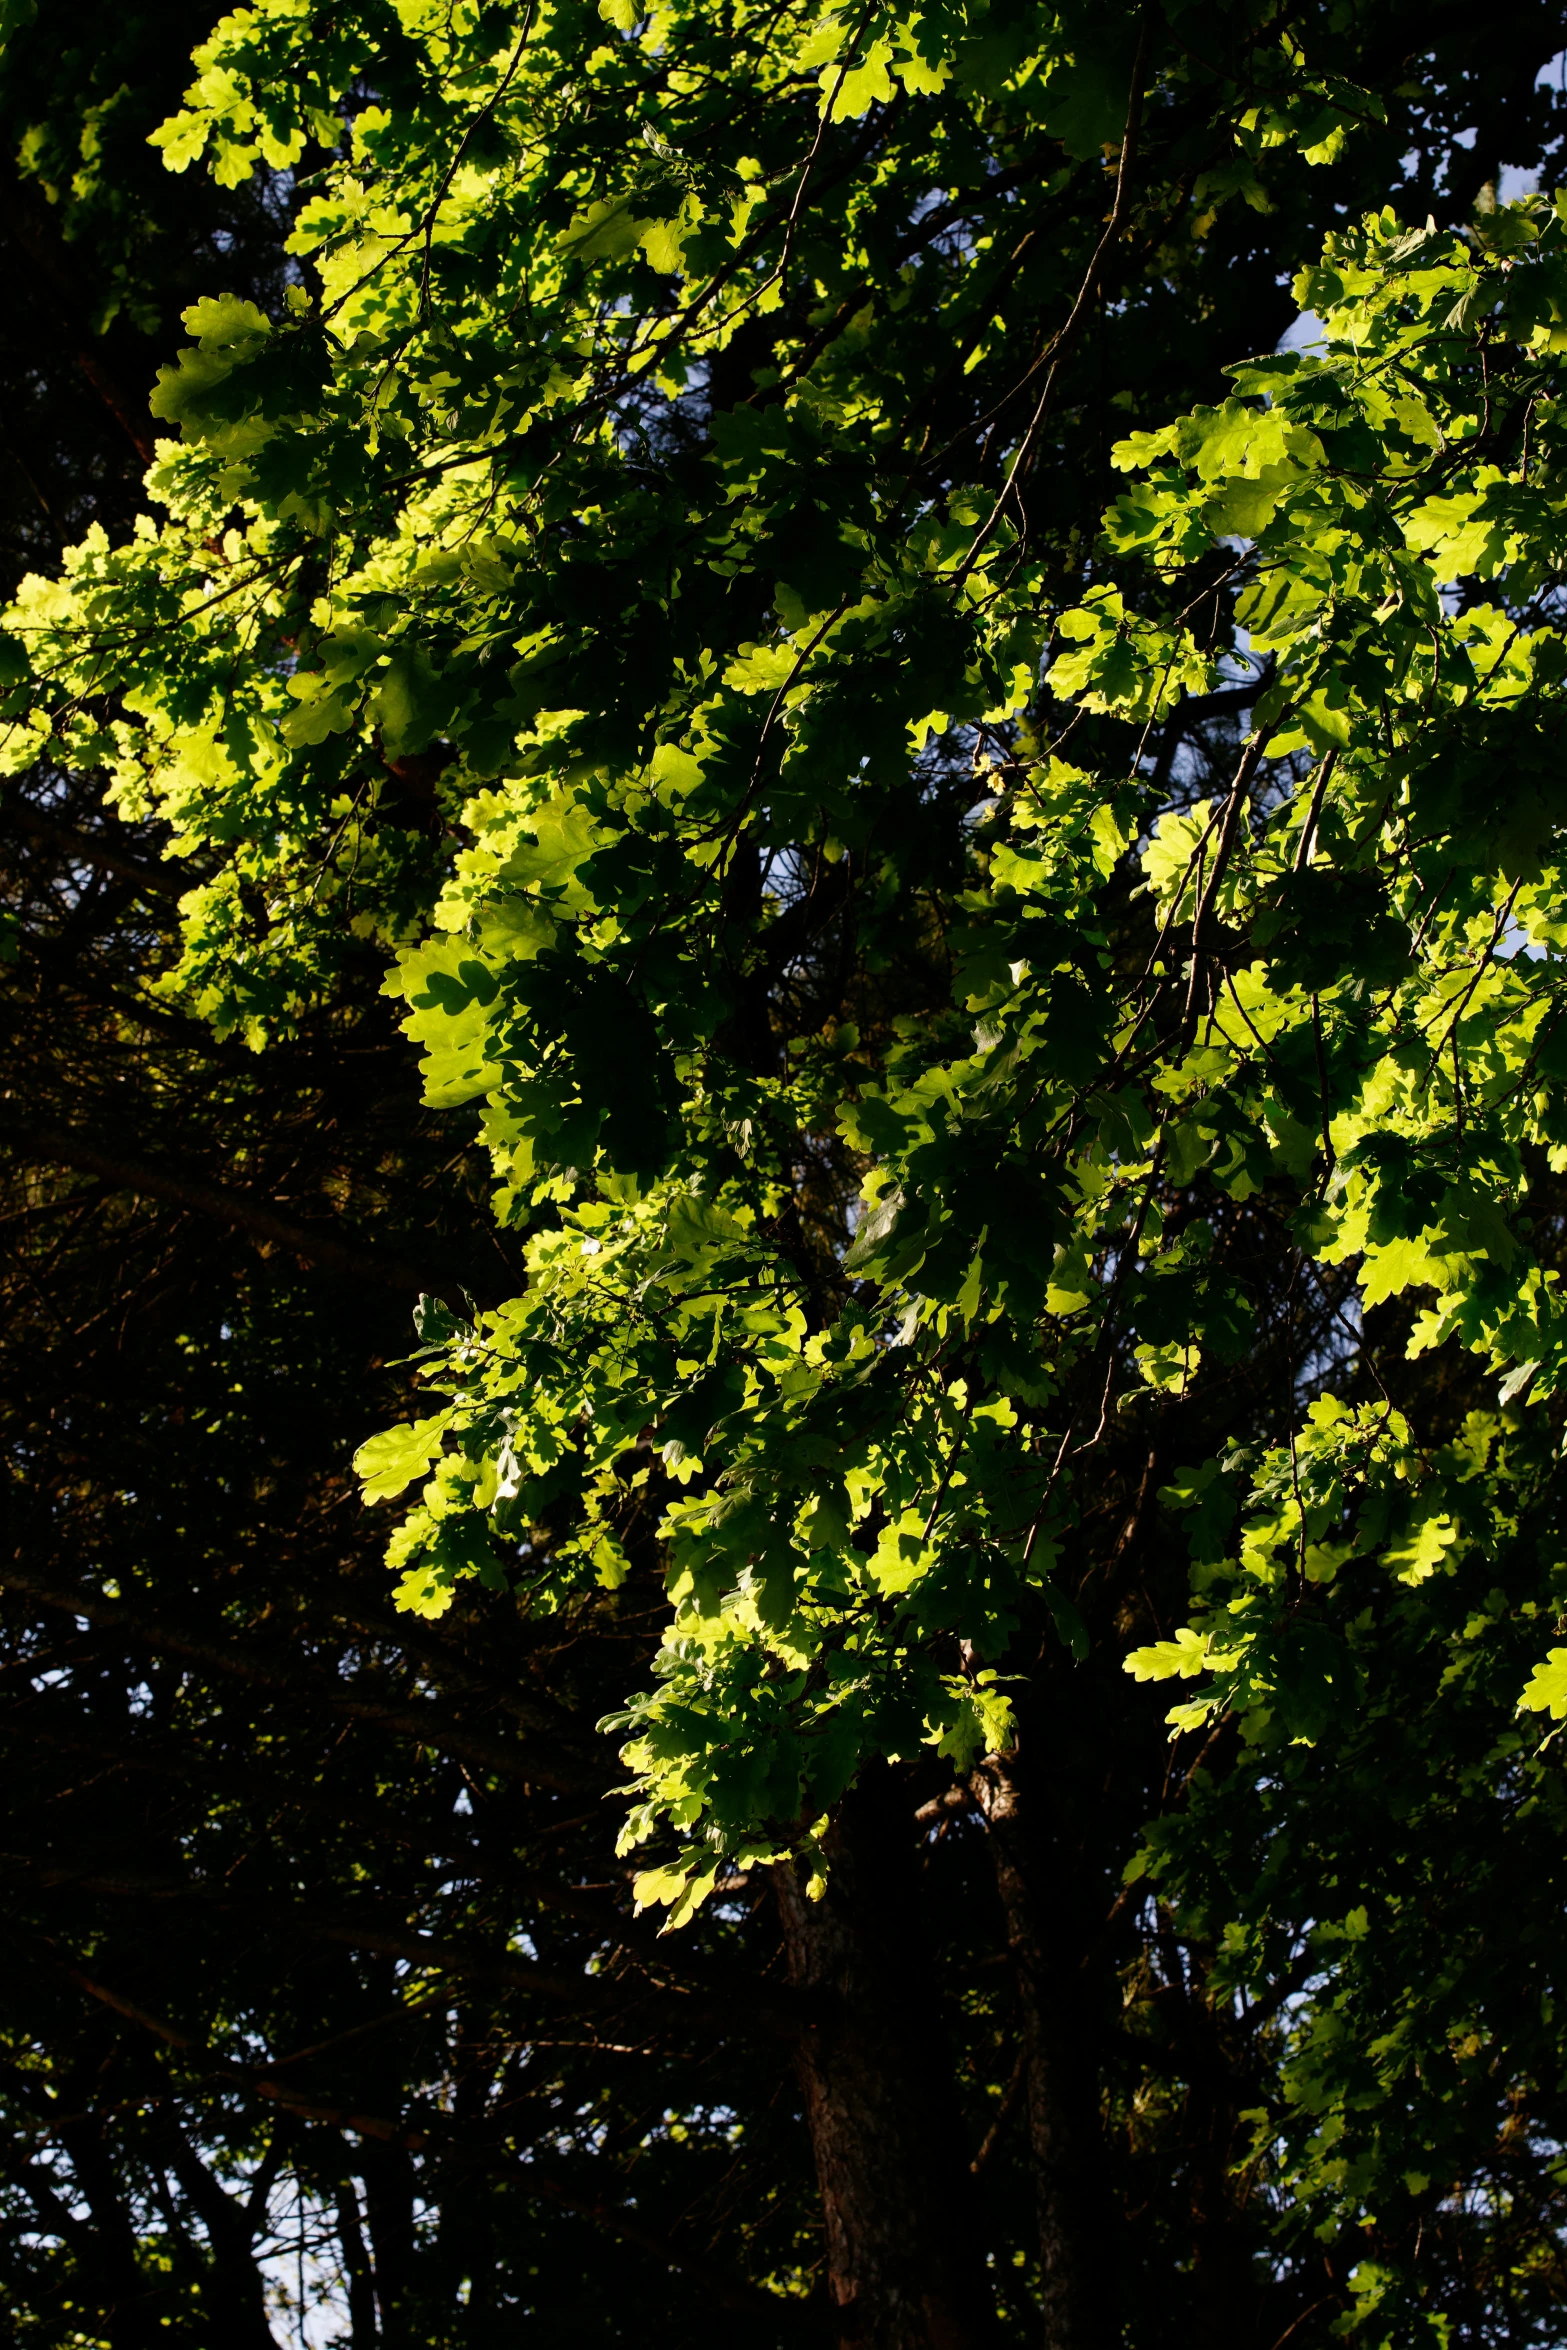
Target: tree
x=951 y=994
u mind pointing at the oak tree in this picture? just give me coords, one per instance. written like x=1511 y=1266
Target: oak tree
x=976 y=846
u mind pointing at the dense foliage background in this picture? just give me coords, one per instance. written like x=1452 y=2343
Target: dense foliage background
x=326 y=2014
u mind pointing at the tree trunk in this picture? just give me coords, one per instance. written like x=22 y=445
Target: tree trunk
x=389 y=2196
x=1076 y=2246
x=363 y=2332
x=903 y=2263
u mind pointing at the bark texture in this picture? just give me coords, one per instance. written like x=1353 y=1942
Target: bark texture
x=1076 y=2241
x=903 y=2261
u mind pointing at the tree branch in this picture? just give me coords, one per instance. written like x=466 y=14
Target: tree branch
x=440 y=2141
x=775 y=2013
x=167 y=881
x=122 y=1170
x=291 y=1677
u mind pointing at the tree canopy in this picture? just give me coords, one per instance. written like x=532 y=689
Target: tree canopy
x=923 y=657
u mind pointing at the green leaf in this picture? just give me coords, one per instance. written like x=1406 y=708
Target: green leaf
x=1546 y=1688
x=388 y=1462
x=1182 y=1658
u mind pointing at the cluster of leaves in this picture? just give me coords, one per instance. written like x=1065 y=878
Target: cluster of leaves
x=1384 y=1021
x=639 y=579
x=309 y=2020
x=637 y=652
x=1373 y=1892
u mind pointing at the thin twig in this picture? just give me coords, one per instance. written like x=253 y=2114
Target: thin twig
x=478 y=121
x=1057 y=349
x=1251 y=760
